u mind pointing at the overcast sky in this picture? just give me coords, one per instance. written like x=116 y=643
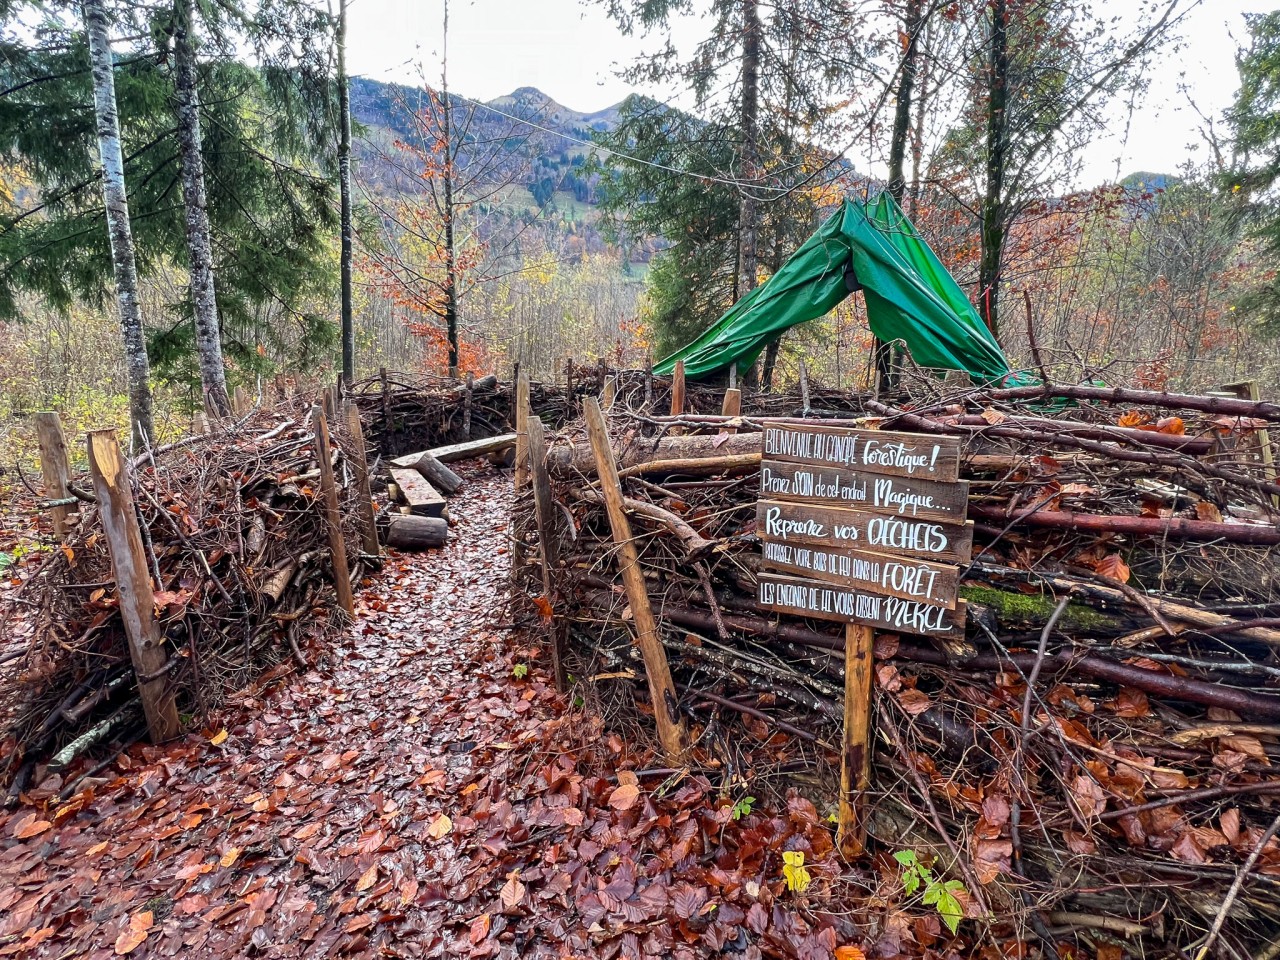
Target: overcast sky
x=571 y=51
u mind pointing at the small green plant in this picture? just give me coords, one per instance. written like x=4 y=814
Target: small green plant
x=743 y=807
x=520 y=672
x=941 y=895
x=5 y=560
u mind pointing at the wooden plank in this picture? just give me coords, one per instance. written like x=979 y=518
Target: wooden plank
x=417 y=493
x=855 y=752
x=841 y=527
x=919 y=499
x=546 y=517
x=437 y=474
x=55 y=466
x=662 y=692
x=905 y=577
x=133 y=583
x=610 y=393
x=878 y=451
x=473 y=448
x=522 y=431
x=822 y=601
x=677 y=394
x=332 y=513
x=732 y=406
x=360 y=465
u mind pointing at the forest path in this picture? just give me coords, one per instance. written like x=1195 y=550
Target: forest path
x=408 y=796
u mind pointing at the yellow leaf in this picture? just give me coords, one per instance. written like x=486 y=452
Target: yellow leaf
x=69 y=554
x=219 y=737
x=367 y=879
x=230 y=857
x=440 y=827
x=794 y=872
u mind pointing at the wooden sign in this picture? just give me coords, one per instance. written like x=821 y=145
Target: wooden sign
x=839 y=527
x=824 y=601
x=900 y=496
x=905 y=577
x=874 y=451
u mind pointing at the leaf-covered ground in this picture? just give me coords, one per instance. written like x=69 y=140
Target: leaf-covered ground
x=416 y=794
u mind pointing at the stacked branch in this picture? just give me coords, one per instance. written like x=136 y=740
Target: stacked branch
x=234 y=531
x=1095 y=760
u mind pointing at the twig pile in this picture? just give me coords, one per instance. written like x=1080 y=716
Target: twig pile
x=1095 y=760
x=233 y=524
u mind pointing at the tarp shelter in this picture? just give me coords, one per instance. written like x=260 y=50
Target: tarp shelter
x=910 y=297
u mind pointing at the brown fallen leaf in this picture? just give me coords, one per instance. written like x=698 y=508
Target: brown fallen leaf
x=624 y=797
x=30 y=826
x=440 y=827
x=512 y=891
x=133 y=935
x=367 y=879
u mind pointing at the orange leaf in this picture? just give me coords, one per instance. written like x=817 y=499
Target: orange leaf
x=29 y=827
x=624 y=797
x=1113 y=567
x=850 y=952
x=135 y=933
x=440 y=827
x=1208 y=511
x=1172 y=425
x=544 y=607
x=230 y=857
x=69 y=554
x=479 y=929
x=512 y=891
x=367 y=879
x=1132 y=418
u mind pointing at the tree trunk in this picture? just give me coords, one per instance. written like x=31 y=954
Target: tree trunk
x=748 y=258
x=993 y=205
x=450 y=259
x=902 y=111
x=213 y=377
x=116 y=203
x=344 y=187
x=917 y=136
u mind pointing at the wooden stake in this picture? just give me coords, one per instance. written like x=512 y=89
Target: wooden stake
x=732 y=406
x=55 y=466
x=386 y=403
x=855 y=755
x=733 y=375
x=662 y=692
x=522 y=431
x=1248 y=390
x=467 y=400
x=133 y=583
x=332 y=515
x=804 y=390
x=360 y=465
x=545 y=513
x=610 y=393
x=648 y=387
x=239 y=401
x=677 y=395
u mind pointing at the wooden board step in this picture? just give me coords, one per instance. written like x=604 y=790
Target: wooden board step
x=416 y=493
x=473 y=448
x=439 y=476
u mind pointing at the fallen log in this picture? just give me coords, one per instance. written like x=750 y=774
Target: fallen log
x=435 y=472
x=696 y=454
x=694 y=543
x=1150 y=398
x=1175 y=528
x=473 y=448
x=409 y=532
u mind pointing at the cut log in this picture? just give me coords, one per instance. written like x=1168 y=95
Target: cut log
x=435 y=472
x=417 y=533
x=416 y=493
x=475 y=448
x=696 y=454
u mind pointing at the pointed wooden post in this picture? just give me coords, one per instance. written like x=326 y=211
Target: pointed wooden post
x=545 y=513
x=855 y=754
x=332 y=513
x=521 y=475
x=733 y=375
x=56 y=468
x=648 y=386
x=133 y=583
x=732 y=406
x=804 y=390
x=677 y=394
x=360 y=465
x=662 y=691
x=467 y=401
x=610 y=393
x=239 y=401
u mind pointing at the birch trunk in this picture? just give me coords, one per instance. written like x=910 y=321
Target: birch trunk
x=213 y=377
x=344 y=187
x=116 y=202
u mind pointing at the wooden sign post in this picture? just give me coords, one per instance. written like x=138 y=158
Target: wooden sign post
x=862 y=527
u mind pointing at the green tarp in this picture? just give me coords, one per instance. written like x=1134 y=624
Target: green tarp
x=910 y=297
